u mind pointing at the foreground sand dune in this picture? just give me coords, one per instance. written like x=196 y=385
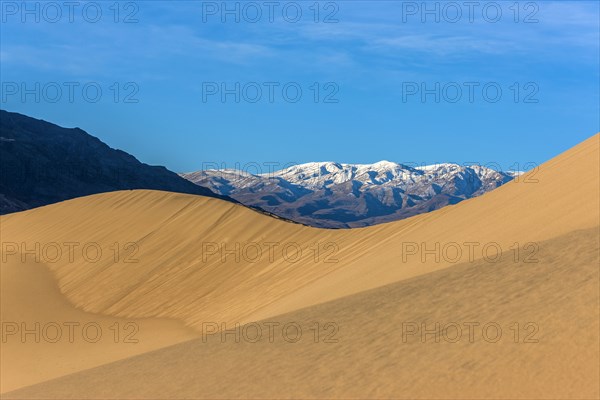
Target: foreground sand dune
x=182 y=269
x=546 y=346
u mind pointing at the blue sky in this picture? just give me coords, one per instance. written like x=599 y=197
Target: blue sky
x=370 y=60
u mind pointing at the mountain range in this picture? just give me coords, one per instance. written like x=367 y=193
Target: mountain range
x=42 y=163
x=334 y=195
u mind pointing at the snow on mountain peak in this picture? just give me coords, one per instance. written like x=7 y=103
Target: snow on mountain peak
x=331 y=194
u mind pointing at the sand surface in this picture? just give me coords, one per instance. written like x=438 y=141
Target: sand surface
x=67 y=339
x=376 y=347
x=184 y=271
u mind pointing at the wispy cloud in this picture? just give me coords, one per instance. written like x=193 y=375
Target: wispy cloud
x=367 y=36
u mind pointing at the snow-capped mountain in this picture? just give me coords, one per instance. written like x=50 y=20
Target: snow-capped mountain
x=334 y=195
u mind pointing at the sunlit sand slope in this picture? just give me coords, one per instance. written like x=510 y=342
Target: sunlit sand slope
x=184 y=247
x=534 y=334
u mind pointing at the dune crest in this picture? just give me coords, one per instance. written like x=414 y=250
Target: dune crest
x=185 y=246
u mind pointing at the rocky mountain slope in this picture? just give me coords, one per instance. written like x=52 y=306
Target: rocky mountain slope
x=42 y=163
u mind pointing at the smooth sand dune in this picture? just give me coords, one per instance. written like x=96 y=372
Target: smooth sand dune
x=179 y=270
x=546 y=348
x=66 y=339
x=178 y=276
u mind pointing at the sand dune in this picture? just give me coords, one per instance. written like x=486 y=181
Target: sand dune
x=178 y=277
x=182 y=272
x=552 y=351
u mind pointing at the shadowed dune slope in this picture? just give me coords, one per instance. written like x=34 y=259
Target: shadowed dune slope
x=534 y=334
x=66 y=339
x=184 y=247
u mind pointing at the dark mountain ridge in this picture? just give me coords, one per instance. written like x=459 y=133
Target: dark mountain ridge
x=42 y=163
